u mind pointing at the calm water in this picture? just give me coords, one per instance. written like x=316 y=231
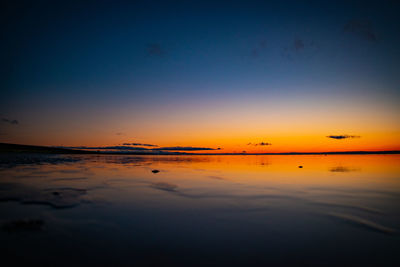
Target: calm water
x=339 y=210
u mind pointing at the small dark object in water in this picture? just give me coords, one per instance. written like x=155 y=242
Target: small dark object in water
x=23 y=225
x=155 y=171
x=300 y=167
x=56 y=193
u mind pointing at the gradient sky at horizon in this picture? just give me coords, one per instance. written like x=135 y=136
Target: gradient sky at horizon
x=202 y=74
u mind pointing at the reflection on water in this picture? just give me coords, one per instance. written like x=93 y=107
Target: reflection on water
x=200 y=210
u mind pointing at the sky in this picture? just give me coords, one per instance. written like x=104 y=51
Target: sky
x=254 y=76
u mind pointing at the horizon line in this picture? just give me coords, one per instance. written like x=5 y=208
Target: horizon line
x=15 y=148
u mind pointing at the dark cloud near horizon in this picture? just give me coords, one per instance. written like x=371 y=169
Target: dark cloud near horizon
x=14 y=122
x=264 y=144
x=139 y=144
x=108 y=147
x=363 y=29
x=133 y=148
x=342 y=169
x=345 y=136
x=184 y=148
x=155 y=49
x=260 y=144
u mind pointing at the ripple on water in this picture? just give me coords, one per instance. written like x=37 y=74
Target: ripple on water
x=58 y=198
x=164 y=186
x=362 y=223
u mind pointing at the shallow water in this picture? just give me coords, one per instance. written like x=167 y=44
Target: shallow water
x=339 y=210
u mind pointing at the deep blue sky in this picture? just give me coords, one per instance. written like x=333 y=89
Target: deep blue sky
x=63 y=60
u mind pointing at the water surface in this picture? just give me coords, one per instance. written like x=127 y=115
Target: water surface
x=338 y=210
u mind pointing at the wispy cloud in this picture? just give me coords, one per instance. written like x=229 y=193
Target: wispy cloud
x=155 y=49
x=9 y=121
x=260 y=47
x=363 y=29
x=342 y=169
x=139 y=144
x=298 y=44
x=260 y=144
x=345 y=136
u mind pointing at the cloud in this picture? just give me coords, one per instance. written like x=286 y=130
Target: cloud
x=260 y=47
x=109 y=147
x=263 y=44
x=260 y=144
x=137 y=147
x=119 y=134
x=138 y=144
x=345 y=136
x=216 y=177
x=155 y=49
x=299 y=47
x=342 y=169
x=14 y=122
x=298 y=44
x=184 y=148
x=363 y=29
x=264 y=144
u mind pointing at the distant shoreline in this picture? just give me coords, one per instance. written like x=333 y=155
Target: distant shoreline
x=16 y=148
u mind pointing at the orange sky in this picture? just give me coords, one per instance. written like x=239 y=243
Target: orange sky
x=297 y=126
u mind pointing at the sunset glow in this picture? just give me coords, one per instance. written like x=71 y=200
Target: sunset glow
x=236 y=75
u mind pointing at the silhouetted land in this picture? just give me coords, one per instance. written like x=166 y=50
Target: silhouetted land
x=16 y=148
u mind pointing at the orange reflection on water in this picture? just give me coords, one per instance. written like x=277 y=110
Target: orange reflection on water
x=331 y=170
